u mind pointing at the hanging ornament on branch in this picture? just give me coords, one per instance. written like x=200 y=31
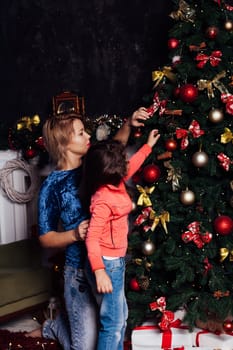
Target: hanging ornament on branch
x=212 y=32
x=174 y=175
x=187 y=197
x=216 y=115
x=223 y=225
x=188 y=93
x=200 y=159
x=184 y=13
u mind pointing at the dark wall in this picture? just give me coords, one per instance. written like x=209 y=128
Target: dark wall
x=103 y=49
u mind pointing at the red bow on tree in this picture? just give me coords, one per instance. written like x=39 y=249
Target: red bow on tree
x=194 y=234
x=193 y=129
x=159 y=304
x=214 y=59
x=157 y=104
x=228 y=100
x=225 y=161
x=207 y=266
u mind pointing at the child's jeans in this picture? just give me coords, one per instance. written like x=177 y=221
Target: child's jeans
x=113 y=308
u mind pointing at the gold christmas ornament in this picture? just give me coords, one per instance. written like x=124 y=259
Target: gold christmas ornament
x=187 y=197
x=200 y=159
x=216 y=115
x=228 y=25
x=148 y=247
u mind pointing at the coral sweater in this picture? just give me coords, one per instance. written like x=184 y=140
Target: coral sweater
x=110 y=206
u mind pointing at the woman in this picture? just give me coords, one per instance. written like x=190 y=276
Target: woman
x=67 y=143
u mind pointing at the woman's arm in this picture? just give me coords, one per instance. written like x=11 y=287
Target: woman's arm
x=136 y=120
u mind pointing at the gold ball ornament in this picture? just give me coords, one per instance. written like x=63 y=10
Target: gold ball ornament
x=216 y=115
x=200 y=159
x=187 y=197
x=228 y=25
x=148 y=247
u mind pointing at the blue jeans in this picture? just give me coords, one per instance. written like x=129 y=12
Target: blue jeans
x=79 y=332
x=113 y=308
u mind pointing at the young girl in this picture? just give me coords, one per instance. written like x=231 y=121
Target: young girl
x=106 y=169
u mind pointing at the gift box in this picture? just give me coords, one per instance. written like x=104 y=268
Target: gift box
x=151 y=337
x=215 y=341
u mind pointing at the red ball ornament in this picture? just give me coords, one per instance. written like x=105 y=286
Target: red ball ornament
x=151 y=173
x=212 y=32
x=173 y=43
x=40 y=142
x=134 y=285
x=171 y=145
x=30 y=153
x=176 y=92
x=188 y=93
x=223 y=225
x=228 y=326
x=137 y=133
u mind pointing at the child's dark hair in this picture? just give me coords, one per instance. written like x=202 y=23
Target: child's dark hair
x=105 y=163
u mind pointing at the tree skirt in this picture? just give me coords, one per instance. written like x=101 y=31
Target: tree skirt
x=17 y=340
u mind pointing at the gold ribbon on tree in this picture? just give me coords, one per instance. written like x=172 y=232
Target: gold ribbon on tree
x=144 y=199
x=174 y=175
x=227 y=136
x=184 y=13
x=158 y=75
x=163 y=218
x=210 y=84
x=224 y=252
x=28 y=122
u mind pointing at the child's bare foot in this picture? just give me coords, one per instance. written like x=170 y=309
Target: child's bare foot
x=36 y=333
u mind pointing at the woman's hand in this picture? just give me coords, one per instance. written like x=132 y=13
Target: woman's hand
x=138 y=117
x=153 y=137
x=81 y=230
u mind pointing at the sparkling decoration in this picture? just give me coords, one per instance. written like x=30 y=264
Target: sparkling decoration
x=200 y=159
x=144 y=282
x=171 y=145
x=188 y=93
x=223 y=225
x=187 y=197
x=148 y=247
x=151 y=173
x=134 y=285
x=173 y=43
x=212 y=32
x=228 y=25
x=216 y=115
x=184 y=13
x=228 y=326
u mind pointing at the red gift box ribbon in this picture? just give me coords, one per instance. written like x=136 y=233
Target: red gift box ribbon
x=166 y=335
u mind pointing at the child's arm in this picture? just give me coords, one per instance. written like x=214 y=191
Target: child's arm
x=139 y=157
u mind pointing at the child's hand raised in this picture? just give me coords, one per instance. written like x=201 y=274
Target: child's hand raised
x=153 y=137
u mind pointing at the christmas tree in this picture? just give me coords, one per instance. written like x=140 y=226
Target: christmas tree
x=181 y=242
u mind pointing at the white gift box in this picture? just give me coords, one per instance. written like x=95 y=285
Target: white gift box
x=215 y=341
x=151 y=337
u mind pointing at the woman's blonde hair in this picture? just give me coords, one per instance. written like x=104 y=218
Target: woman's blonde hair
x=57 y=131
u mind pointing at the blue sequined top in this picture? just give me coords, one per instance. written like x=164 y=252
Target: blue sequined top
x=59 y=203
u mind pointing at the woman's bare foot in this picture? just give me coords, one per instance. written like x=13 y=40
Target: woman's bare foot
x=36 y=333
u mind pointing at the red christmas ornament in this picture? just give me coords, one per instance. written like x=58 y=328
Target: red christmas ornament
x=212 y=32
x=171 y=145
x=151 y=173
x=173 y=43
x=176 y=92
x=40 y=142
x=30 y=153
x=228 y=326
x=223 y=225
x=137 y=133
x=134 y=285
x=188 y=93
